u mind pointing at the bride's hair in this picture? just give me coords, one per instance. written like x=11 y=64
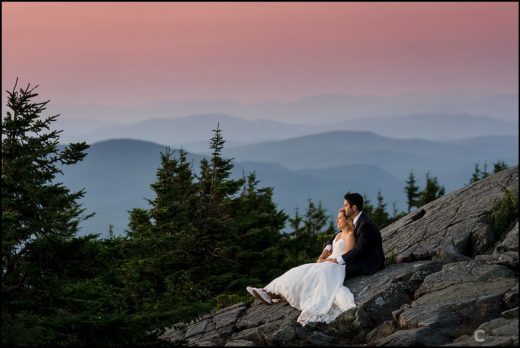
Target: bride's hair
x=350 y=221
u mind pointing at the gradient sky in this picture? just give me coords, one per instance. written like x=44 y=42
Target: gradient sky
x=130 y=53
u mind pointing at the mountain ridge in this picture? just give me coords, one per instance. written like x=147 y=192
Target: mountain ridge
x=196 y=128
x=117 y=175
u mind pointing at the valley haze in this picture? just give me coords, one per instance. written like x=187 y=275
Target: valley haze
x=117 y=173
x=316 y=147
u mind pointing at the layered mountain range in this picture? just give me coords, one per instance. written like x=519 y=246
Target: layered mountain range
x=117 y=173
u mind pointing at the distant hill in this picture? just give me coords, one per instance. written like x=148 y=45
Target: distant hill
x=193 y=132
x=432 y=126
x=294 y=188
x=117 y=173
x=316 y=109
x=397 y=156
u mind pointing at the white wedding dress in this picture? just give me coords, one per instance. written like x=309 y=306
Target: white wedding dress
x=316 y=289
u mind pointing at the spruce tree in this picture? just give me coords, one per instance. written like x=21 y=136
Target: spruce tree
x=309 y=233
x=499 y=166
x=214 y=214
x=412 y=192
x=139 y=225
x=315 y=218
x=34 y=204
x=295 y=222
x=368 y=208
x=476 y=174
x=485 y=173
x=252 y=254
x=215 y=189
x=432 y=190
x=53 y=282
x=173 y=208
x=380 y=215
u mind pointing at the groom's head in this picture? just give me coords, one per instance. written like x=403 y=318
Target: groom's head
x=353 y=203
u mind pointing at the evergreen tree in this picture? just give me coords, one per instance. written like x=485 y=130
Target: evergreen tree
x=295 y=223
x=431 y=192
x=139 y=225
x=412 y=192
x=174 y=206
x=476 y=174
x=252 y=254
x=499 y=166
x=214 y=215
x=34 y=204
x=368 y=208
x=57 y=288
x=481 y=174
x=215 y=190
x=305 y=242
x=380 y=216
x=485 y=173
x=315 y=218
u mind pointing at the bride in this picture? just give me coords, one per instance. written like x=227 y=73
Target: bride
x=316 y=288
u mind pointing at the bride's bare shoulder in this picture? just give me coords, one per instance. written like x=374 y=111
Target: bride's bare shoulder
x=350 y=235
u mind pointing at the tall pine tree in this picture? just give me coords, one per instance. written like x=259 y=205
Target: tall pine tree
x=34 y=204
x=174 y=206
x=214 y=215
x=380 y=215
x=432 y=190
x=412 y=192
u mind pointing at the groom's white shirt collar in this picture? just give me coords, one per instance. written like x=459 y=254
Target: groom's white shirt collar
x=357 y=218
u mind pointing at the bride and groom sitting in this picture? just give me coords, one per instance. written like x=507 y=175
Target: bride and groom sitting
x=319 y=289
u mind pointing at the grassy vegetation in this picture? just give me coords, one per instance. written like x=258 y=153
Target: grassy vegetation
x=505 y=212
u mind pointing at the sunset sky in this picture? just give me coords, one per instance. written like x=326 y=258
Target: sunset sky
x=129 y=53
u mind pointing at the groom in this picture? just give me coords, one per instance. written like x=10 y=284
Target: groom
x=367 y=257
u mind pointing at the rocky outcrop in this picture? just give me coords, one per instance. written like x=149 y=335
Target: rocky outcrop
x=454 y=283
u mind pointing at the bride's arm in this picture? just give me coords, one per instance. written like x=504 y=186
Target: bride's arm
x=350 y=242
x=327 y=250
x=323 y=255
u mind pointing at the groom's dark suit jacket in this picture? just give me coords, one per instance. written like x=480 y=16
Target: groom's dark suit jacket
x=367 y=257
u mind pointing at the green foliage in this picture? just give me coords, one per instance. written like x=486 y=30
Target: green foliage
x=431 y=192
x=226 y=300
x=481 y=174
x=499 y=166
x=368 y=208
x=174 y=205
x=46 y=270
x=412 y=191
x=504 y=212
x=33 y=204
x=305 y=242
x=379 y=215
x=204 y=239
x=391 y=259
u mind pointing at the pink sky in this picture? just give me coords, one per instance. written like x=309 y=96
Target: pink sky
x=128 y=53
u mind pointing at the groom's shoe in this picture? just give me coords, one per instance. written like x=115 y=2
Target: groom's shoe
x=262 y=295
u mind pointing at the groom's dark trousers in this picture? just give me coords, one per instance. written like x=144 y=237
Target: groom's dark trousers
x=367 y=257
